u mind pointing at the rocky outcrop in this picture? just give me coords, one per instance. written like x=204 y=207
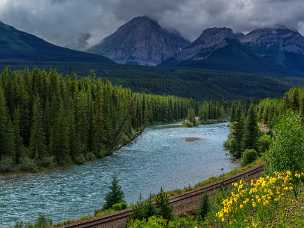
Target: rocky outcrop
x=141 y=41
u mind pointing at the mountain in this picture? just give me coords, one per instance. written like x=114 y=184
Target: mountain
x=141 y=41
x=219 y=49
x=279 y=46
x=18 y=46
x=211 y=39
x=268 y=50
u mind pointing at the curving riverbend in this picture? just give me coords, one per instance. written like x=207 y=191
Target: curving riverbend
x=161 y=157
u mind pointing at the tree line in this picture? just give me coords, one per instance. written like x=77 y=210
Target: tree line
x=49 y=120
x=252 y=122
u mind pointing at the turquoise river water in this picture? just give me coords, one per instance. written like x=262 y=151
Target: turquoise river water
x=168 y=157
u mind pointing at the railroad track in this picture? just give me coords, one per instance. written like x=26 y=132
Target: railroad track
x=119 y=219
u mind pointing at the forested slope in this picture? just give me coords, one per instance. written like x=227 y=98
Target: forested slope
x=194 y=83
x=48 y=120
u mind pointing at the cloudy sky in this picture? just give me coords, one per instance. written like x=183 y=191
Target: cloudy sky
x=82 y=23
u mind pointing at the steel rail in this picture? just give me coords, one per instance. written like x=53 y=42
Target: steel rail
x=173 y=201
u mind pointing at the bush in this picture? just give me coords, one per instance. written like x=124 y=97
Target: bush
x=41 y=222
x=6 y=164
x=79 y=159
x=249 y=156
x=144 y=209
x=204 y=208
x=119 y=206
x=255 y=203
x=28 y=165
x=182 y=222
x=263 y=143
x=155 y=222
x=90 y=156
x=159 y=222
x=45 y=162
x=286 y=149
x=162 y=205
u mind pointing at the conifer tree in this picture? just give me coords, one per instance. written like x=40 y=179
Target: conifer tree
x=162 y=204
x=19 y=147
x=60 y=141
x=38 y=145
x=75 y=142
x=204 y=208
x=7 y=138
x=234 y=142
x=98 y=121
x=250 y=132
x=115 y=195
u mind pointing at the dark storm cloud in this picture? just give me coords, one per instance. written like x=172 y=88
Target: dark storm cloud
x=81 y=23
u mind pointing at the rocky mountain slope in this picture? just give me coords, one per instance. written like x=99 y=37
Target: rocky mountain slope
x=267 y=50
x=278 y=46
x=141 y=41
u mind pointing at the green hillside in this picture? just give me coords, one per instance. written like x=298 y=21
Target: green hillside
x=185 y=82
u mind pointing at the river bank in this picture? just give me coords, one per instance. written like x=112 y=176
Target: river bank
x=42 y=171
x=128 y=141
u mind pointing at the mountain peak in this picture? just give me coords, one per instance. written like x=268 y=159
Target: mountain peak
x=143 y=19
x=215 y=30
x=274 y=37
x=214 y=36
x=276 y=30
x=140 y=41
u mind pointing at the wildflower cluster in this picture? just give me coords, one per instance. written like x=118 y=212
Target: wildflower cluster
x=258 y=194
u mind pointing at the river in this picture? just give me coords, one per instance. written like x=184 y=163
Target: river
x=167 y=157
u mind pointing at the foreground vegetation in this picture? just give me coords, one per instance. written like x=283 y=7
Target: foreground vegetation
x=269 y=201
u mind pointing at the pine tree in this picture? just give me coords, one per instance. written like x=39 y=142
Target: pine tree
x=204 y=111
x=7 y=137
x=75 y=142
x=19 y=147
x=204 y=208
x=60 y=141
x=234 y=142
x=144 y=209
x=38 y=145
x=162 y=204
x=250 y=132
x=115 y=195
x=98 y=121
